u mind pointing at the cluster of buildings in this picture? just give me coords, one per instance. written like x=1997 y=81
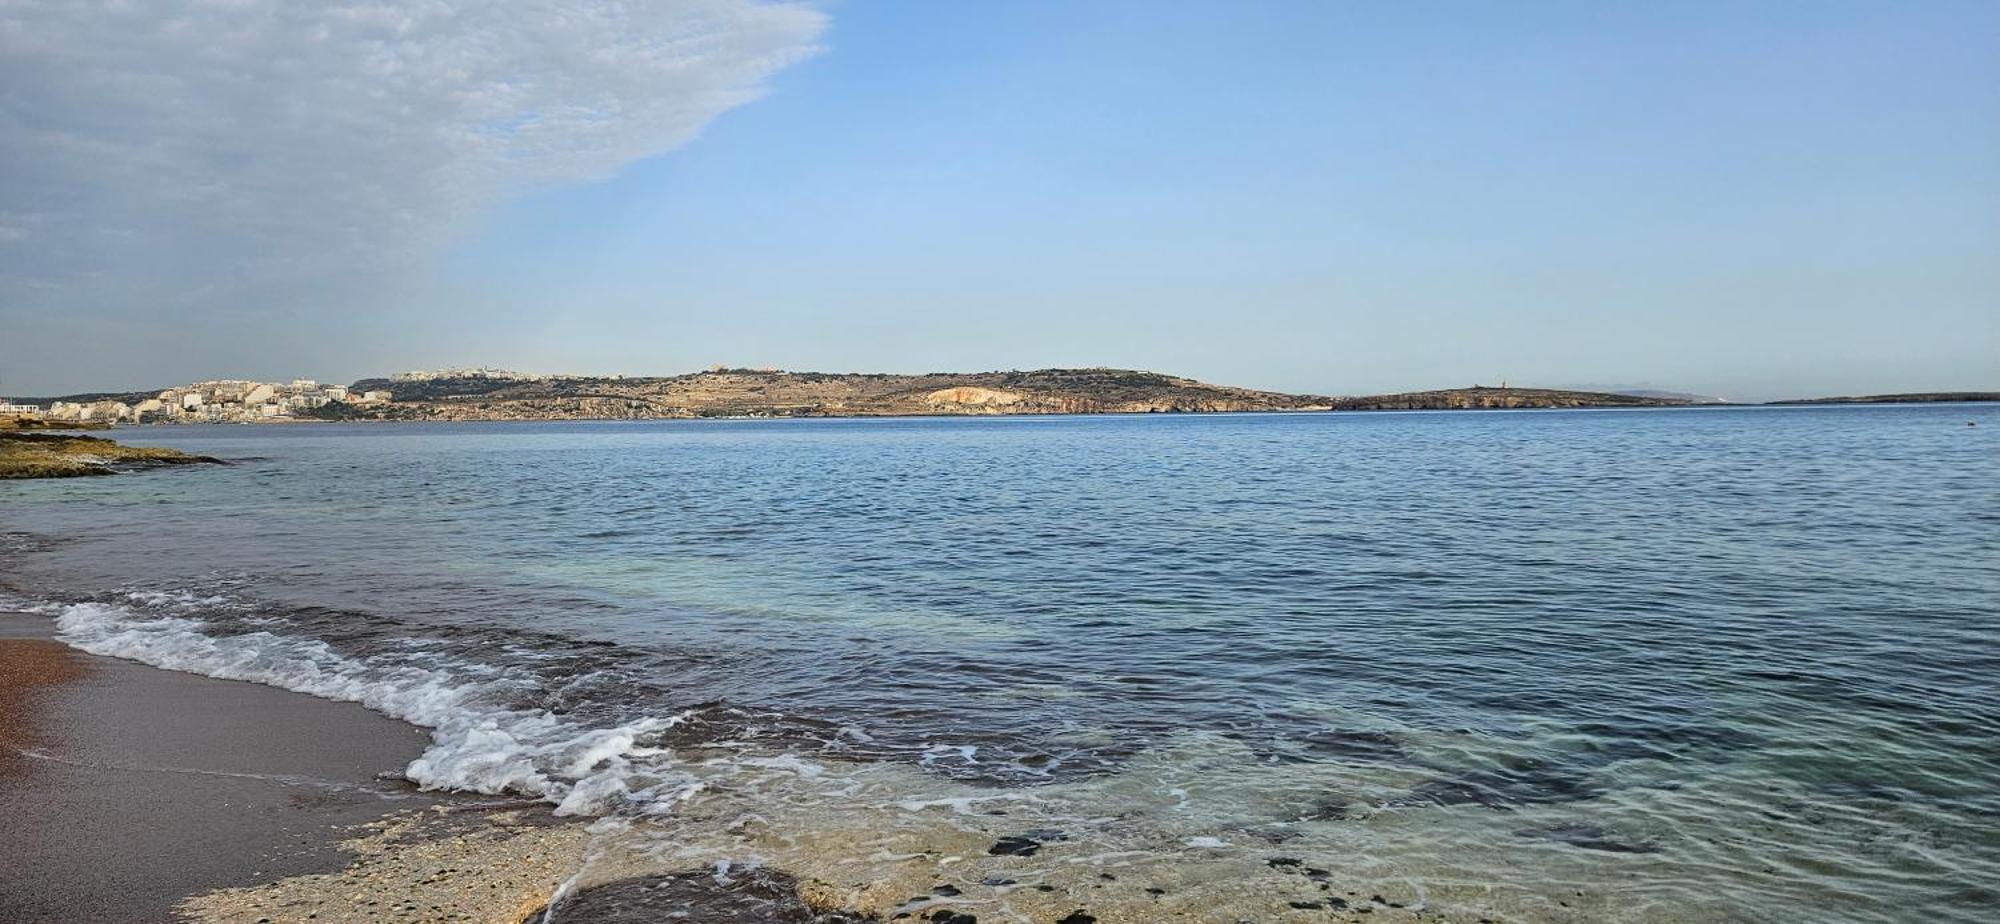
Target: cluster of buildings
x=222 y=401
x=474 y=372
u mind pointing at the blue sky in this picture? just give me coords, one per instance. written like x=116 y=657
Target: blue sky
x=1750 y=199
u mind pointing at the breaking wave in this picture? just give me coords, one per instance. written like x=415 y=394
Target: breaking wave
x=479 y=741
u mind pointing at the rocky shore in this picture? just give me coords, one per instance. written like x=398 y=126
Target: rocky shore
x=59 y=455
x=17 y=423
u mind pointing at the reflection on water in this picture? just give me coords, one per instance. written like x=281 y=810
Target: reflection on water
x=1690 y=664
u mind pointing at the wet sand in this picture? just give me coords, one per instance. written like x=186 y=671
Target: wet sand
x=29 y=668
x=134 y=794
x=125 y=789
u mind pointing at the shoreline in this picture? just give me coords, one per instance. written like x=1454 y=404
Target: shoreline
x=1790 y=404
x=25 y=455
x=672 y=680
x=135 y=794
x=147 y=794
x=139 y=794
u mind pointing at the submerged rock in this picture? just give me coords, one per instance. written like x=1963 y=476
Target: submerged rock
x=1012 y=846
x=760 y=897
x=1587 y=837
x=1528 y=782
x=1023 y=845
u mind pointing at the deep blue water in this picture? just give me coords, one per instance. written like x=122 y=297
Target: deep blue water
x=1759 y=648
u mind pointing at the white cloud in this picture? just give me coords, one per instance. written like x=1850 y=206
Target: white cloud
x=210 y=153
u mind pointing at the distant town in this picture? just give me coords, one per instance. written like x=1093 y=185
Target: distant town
x=219 y=401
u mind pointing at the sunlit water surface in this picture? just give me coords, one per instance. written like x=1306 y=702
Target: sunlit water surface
x=1733 y=664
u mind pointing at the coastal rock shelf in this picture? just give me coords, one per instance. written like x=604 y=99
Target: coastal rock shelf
x=58 y=455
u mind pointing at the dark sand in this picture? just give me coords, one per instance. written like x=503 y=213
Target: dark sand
x=29 y=668
x=124 y=789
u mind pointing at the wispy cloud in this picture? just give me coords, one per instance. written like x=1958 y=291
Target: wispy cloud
x=180 y=153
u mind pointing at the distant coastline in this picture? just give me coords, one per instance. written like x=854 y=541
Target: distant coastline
x=1924 y=397
x=491 y=394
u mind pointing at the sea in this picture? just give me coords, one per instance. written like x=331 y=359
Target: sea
x=1684 y=664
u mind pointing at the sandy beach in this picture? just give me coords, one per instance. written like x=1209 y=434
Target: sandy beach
x=133 y=794
x=127 y=789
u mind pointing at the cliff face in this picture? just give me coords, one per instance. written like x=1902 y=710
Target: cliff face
x=758 y=393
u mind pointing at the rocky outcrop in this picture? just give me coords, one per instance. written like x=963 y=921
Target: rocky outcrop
x=968 y=396
x=55 y=455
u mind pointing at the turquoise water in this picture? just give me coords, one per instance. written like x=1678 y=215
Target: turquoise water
x=1704 y=664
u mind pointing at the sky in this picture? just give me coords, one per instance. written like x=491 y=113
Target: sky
x=1749 y=199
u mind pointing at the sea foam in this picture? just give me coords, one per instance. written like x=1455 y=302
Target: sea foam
x=479 y=743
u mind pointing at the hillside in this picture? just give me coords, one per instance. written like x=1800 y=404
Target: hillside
x=1926 y=397
x=1480 y=397
x=90 y=397
x=494 y=395
x=770 y=393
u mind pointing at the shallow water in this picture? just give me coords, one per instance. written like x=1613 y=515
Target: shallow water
x=1701 y=664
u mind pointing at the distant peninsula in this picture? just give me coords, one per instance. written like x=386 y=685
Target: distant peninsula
x=1922 y=397
x=775 y=393
x=494 y=394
